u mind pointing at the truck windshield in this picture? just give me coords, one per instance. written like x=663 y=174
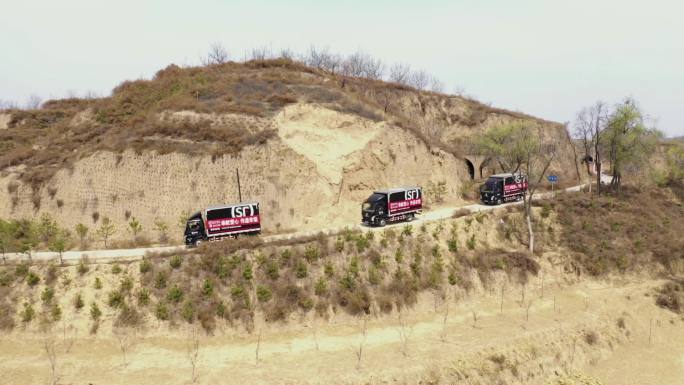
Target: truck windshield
x=492 y=184
x=193 y=226
x=366 y=206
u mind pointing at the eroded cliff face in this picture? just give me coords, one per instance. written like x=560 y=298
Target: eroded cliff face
x=314 y=174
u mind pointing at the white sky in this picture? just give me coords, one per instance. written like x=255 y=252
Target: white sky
x=547 y=58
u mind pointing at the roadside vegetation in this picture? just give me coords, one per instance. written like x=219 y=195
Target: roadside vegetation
x=234 y=282
x=359 y=273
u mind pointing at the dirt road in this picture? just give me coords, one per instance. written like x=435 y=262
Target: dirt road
x=137 y=253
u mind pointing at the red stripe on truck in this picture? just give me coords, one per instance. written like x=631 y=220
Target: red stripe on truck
x=405 y=205
x=226 y=224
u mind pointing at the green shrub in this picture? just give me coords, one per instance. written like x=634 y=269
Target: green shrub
x=115 y=299
x=260 y=259
x=51 y=274
x=47 y=295
x=176 y=261
x=301 y=271
x=83 y=267
x=348 y=281
x=56 y=312
x=126 y=284
x=95 y=312
x=32 y=279
x=311 y=253
x=116 y=269
x=354 y=266
x=471 y=242
x=374 y=277
x=306 y=303
x=329 y=269
x=162 y=311
x=160 y=280
x=22 y=270
x=207 y=288
x=452 y=244
x=27 y=313
x=98 y=283
x=247 y=273
x=175 y=294
x=188 y=311
x=5 y=279
x=453 y=279
x=399 y=256
x=272 y=269
x=321 y=287
x=143 y=296
x=78 y=302
x=237 y=292
x=362 y=244
x=221 y=310
x=145 y=266
x=263 y=293
x=285 y=257
x=407 y=230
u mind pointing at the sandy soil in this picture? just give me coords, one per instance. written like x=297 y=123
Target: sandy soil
x=414 y=346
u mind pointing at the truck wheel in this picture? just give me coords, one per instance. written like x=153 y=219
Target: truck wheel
x=198 y=242
x=499 y=201
x=411 y=217
x=382 y=223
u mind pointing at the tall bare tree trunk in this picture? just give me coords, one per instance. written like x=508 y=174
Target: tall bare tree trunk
x=528 y=219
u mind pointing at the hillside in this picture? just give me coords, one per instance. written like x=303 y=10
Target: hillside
x=452 y=301
x=157 y=148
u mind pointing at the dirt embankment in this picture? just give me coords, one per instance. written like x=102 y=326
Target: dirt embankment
x=313 y=175
x=589 y=332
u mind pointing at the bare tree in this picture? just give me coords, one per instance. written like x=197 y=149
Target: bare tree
x=400 y=73
x=405 y=330
x=51 y=352
x=287 y=54
x=362 y=65
x=571 y=144
x=419 y=80
x=436 y=85
x=258 y=346
x=217 y=55
x=358 y=351
x=321 y=58
x=192 y=350
x=260 y=53
x=124 y=339
x=590 y=124
x=34 y=102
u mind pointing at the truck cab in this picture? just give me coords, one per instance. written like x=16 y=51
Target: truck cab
x=392 y=205
x=374 y=210
x=194 y=230
x=501 y=188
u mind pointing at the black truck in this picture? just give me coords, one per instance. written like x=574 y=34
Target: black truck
x=502 y=188
x=223 y=221
x=392 y=205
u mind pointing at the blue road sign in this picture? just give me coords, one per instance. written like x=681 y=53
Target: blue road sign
x=552 y=178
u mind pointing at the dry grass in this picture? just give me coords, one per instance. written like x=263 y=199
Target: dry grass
x=621 y=232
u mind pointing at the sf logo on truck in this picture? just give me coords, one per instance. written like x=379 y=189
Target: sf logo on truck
x=243 y=211
x=411 y=194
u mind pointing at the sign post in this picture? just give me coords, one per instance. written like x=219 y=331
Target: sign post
x=553 y=179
